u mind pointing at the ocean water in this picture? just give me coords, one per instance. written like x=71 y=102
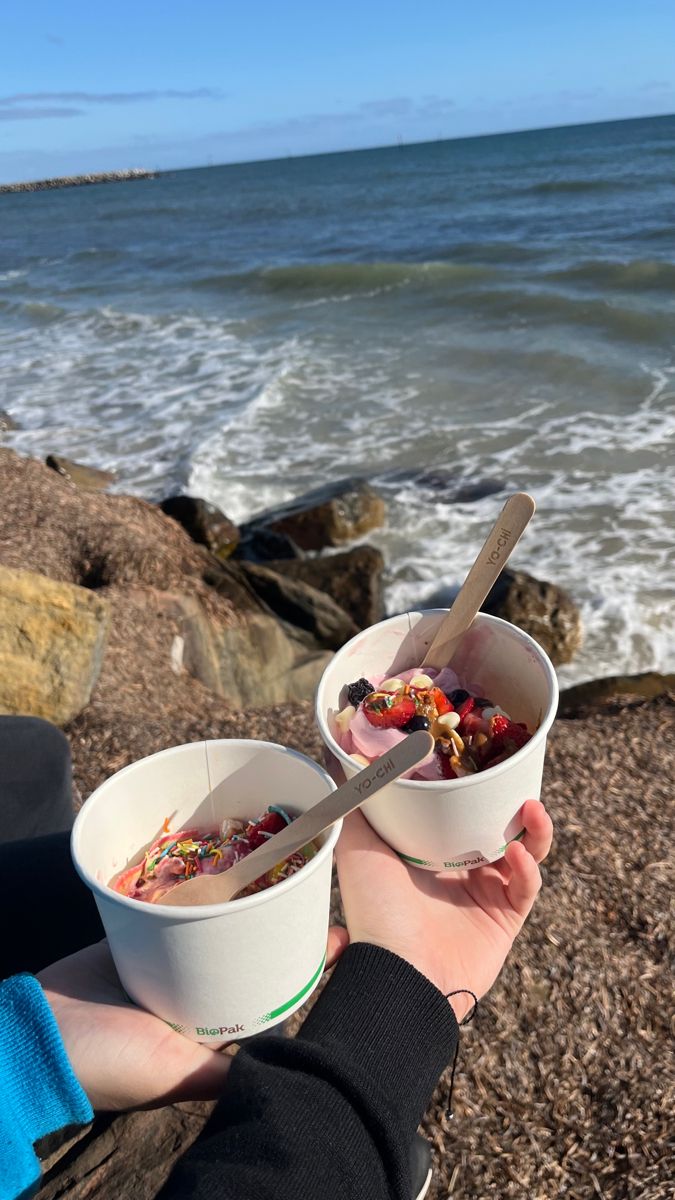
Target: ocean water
x=496 y=311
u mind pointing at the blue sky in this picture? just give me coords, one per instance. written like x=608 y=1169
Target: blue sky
x=86 y=87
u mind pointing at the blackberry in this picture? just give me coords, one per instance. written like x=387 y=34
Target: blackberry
x=356 y=692
x=481 y=702
x=417 y=722
x=458 y=697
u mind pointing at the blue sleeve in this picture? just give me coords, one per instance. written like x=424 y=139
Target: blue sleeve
x=38 y=1089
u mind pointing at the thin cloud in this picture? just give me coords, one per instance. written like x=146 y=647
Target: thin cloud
x=19 y=99
x=395 y=108
x=656 y=85
x=38 y=113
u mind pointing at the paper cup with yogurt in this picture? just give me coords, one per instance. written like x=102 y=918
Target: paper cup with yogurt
x=218 y=972
x=451 y=824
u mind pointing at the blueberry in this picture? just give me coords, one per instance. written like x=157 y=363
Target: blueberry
x=458 y=697
x=356 y=692
x=417 y=722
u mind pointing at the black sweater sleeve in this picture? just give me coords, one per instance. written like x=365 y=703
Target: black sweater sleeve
x=331 y=1113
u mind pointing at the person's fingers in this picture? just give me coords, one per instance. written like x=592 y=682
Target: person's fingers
x=338 y=940
x=525 y=881
x=357 y=837
x=538 y=829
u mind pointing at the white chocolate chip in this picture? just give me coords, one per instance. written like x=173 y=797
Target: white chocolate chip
x=421 y=681
x=344 y=719
x=392 y=685
x=450 y=719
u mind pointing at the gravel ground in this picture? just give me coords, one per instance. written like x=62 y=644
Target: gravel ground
x=566 y=1080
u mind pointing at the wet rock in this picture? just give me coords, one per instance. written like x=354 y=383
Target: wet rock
x=92 y=479
x=352 y=578
x=327 y=516
x=541 y=609
x=52 y=638
x=447 y=484
x=302 y=605
x=204 y=522
x=7 y=423
x=613 y=693
x=264 y=545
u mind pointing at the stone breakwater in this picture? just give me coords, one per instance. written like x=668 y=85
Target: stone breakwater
x=44 y=185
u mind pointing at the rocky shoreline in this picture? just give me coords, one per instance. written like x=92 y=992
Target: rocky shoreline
x=189 y=627
x=43 y=185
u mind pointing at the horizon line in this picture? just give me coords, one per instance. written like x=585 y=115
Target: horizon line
x=463 y=137
x=398 y=145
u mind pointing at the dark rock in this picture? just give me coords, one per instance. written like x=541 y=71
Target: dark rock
x=7 y=423
x=264 y=545
x=353 y=578
x=302 y=605
x=92 y=479
x=613 y=693
x=327 y=516
x=204 y=522
x=446 y=484
x=541 y=609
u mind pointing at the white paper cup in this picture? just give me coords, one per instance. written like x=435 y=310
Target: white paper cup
x=460 y=823
x=217 y=972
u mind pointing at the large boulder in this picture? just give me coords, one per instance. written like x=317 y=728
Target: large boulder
x=256 y=658
x=52 y=637
x=353 y=578
x=302 y=605
x=92 y=479
x=539 y=608
x=204 y=522
x=614 y=692
x=254 y=662
x=327 y=516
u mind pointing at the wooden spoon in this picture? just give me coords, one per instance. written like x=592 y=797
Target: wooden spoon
x=215 y=889
x=492 y=558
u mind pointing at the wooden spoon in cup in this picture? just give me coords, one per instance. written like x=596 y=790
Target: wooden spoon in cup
x=507 y=529
x=216 y=889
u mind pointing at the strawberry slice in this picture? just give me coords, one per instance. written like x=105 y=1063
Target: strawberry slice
x=473 y=723
x=498 y=725
x=388 y=710
x=466 y=707
x=441 y=701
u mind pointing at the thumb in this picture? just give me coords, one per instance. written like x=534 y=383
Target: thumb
x=338 y=940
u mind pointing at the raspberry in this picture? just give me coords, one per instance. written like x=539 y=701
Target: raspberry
x=389 y=710
x=518 y=733
x=445 y=765
x=356 y=692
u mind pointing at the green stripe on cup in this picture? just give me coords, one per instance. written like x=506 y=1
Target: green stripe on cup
x=513 y=839
x=277 y=1012
x=419 y=862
